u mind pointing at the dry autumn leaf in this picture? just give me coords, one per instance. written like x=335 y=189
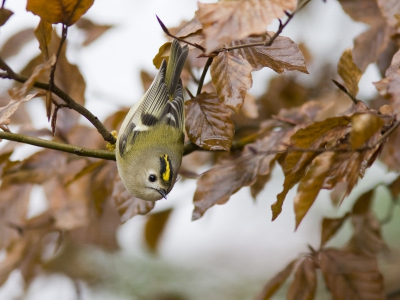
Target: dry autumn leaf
x=311 y=184
x=330 y=227
x=63 y=11
x=43 y=33
x=304 y=283
x=91 y=29
x=349 y=72
x=208 y=122
x=7 y=111
x=5 y=14
x=230 y=175
x=282 y=55
x=350 y=276
x=154 y=228
x=364 y=126
x=276 y=282
x=226 y=21
x=231 y=77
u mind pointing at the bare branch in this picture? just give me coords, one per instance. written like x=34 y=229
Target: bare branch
x=81 y=151
x=72 y=104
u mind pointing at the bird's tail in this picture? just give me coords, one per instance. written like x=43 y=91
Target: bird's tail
x=175 y=64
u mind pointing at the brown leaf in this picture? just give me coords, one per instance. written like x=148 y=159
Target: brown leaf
x=276 y=282
x=326 y=134
x=208 y=123
x=365 y=11
x=311 y=184
x=102 y=183
x=283 y=55
x=349 y=276
x=305 y=281
x=7 y=111
x=349 y=72
x=92 y=30
x=5 y=14
x=232 y=20
x=43 y=34
x=364 y=126
x=389 y=9
x=127 y=205
x=231 y=77
x=14 y=200
x=394 y=188
x=21 y=91
x=330 y=227
x=230 y=175
x=13 y=257
x=154 y=228
x=147 y=79
x=366 y=239
x=369 y=45
x=16 y=42
x=68 y=78
x=63 y=11
x=100 y=229
x=37 y=168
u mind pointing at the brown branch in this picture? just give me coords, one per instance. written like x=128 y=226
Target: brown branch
x=81 y=151
x=72 y=104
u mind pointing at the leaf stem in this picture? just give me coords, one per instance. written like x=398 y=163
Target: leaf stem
x=203 y=75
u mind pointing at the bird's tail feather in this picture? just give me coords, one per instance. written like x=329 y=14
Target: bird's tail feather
x=176 y=61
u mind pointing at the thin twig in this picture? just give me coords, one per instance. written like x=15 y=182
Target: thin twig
x=344 y=90
x=72 y=104
x=203 y=75
x=81 y=151
x=166 y=31
x=275 y=36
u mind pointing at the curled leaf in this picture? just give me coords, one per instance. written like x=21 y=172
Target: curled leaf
x=282 y=55
x=62 y=11
x=208 y=122
x=364 y=126
x=349 y=72
x=231 y=77
x=155 y=227
x=232 y=20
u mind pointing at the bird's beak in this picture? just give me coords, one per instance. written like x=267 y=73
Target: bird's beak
x=163 y=193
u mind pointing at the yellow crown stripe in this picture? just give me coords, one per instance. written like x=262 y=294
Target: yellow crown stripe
x=166 y=175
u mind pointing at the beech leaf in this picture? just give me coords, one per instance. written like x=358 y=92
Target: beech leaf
x=364 y=126
x=305 y=281
x=349 y=72
x=5 y=14
x=231 y=77
x=154 y=228
x=7 y=111
x=349 y=276
x=330 y=227
x=311 y=184
x=62 y=11
x=283 y=55
x=208 y=123
x=43 y=33
x=276 y=282
x=232 y=20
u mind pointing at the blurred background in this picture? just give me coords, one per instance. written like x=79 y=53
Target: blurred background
x=234 y=249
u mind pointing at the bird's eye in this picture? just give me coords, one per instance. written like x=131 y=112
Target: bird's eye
x=152 y=178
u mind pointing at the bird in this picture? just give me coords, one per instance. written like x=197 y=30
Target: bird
x=150 y=142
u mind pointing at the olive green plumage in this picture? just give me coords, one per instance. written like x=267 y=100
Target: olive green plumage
x=149 y=146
